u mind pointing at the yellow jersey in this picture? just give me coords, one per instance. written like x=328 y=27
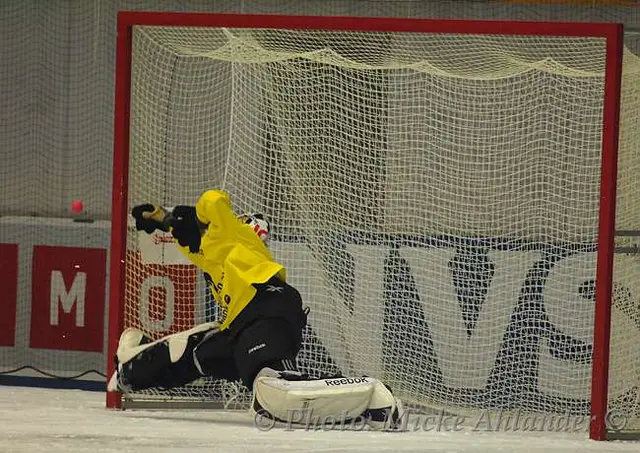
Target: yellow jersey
x=232 y=254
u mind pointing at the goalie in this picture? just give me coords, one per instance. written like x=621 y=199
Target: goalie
x=261 y=334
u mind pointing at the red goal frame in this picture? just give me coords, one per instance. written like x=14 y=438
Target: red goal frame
x=612 y=33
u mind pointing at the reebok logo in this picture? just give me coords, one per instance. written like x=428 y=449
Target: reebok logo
x=344 y=381
x=256 y=347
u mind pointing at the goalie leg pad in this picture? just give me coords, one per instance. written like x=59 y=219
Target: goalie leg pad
x=173 y=360
x=292 y=401
x=128 y=347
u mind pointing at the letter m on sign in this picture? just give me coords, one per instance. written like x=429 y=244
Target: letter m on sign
x=75 y=296
x=68 y=296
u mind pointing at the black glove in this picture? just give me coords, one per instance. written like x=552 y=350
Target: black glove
x=187 y=229
x=150 y=218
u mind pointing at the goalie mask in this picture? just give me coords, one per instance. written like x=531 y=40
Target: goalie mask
x=258 y=224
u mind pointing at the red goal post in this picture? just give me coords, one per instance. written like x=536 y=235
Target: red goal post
x=611 y=33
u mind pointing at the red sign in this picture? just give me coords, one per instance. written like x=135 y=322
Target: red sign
x=68 y=298
x=159 y=299
x=9 y=288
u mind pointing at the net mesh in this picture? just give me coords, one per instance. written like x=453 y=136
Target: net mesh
x=434 y=197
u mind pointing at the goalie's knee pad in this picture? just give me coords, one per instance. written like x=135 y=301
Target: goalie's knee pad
x=297 y=401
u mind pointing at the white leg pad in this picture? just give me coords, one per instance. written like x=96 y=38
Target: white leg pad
x=177 y=342
x=288 y=399
x=337 y=398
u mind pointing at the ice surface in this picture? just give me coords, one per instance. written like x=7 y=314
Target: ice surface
x=44 y=420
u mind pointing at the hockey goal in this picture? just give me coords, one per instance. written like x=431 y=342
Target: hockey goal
x=442 y=192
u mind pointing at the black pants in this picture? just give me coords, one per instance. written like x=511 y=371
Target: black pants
x=266 y=332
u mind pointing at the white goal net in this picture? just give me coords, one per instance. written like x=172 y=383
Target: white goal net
x=434 y=197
